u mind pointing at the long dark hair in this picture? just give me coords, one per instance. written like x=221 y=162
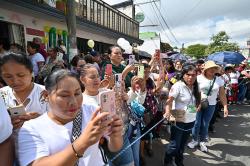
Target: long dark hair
x=191 y=67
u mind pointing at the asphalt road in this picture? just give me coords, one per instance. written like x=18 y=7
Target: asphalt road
x=228 y=146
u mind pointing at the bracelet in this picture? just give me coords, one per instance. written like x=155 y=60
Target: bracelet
x=76 y=154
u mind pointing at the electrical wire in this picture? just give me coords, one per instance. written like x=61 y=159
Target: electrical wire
x=165 y=22
x=160 y=23
x=160 y=28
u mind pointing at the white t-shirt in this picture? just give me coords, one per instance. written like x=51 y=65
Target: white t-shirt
x=154 y=76
x=183 y=99
x=138 y=96
x=35 y=59
x=234 y=76
x=226 y=78
x=35 y=104
x=204 y=85
x=42 y=137
x=5 y=123
x=92 y=100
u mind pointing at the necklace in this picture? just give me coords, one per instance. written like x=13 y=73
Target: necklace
x=24 y=102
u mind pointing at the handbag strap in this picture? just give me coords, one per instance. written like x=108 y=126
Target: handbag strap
x=77 y=129
x=211 y=87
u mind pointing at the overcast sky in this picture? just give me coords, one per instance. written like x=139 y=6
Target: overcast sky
x=195 y=21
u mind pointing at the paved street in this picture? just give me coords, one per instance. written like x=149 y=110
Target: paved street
x=229 y=145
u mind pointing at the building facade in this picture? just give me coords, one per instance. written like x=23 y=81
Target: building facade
x=23 y=20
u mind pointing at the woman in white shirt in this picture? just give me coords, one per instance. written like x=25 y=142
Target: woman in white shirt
x=69 y=133
x=16 y=71
x=183 y=103
x=91 y=80
x=206 y=80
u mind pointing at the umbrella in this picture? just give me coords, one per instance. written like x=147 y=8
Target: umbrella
x=178 y=56
x=144 y=54
x=226 y=57
x=171 y=53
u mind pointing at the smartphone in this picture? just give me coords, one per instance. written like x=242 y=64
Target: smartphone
x=108 y=69
x=107 y=101
x=16 y=111
x=158 y=54
x=140 y=72
x=118 y=80
x=59 y=57
x=131 y=60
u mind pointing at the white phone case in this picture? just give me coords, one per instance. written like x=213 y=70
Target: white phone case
x=107 y=101
x=131 y=60
x=118 y=80
x=17 y=110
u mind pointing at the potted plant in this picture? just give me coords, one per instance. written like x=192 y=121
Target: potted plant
x=61 y=5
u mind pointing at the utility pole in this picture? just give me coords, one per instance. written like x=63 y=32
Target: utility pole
x=71 y=25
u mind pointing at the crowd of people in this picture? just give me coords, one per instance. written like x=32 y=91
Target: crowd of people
x=56 y=118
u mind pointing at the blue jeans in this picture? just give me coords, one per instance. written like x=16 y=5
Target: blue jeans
x=178 y=141
x=242 y=92
x=126 y=158
x=203 y=118
x=136 y=146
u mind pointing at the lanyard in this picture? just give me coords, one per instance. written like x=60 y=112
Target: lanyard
x=190 y=92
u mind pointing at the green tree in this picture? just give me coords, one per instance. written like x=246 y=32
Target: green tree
x=196 y=50
x=220 y=42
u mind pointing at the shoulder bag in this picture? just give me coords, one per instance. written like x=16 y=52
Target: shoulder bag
x=204 y=101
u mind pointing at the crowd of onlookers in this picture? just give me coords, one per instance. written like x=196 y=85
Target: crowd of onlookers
x=60 y=121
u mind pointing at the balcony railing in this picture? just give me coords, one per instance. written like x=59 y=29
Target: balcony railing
x=101 y=13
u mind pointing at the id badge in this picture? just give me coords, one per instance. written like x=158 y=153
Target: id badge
x=191 y=109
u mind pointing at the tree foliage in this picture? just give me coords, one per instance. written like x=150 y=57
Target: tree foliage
x=196 y=50
x=220 y=42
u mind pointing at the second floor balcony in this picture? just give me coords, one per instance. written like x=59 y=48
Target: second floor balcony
x=102 y=14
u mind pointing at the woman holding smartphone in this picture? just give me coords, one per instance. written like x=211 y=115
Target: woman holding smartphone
x=69 y=132
x=91 y=80
x=16 y=70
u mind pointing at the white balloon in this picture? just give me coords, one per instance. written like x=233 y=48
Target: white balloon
x=120 y=41
x=125 y=45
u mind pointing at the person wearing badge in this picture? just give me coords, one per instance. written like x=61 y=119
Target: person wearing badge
x=183 y=103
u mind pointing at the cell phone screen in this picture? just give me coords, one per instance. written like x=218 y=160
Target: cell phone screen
x=140 y=71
